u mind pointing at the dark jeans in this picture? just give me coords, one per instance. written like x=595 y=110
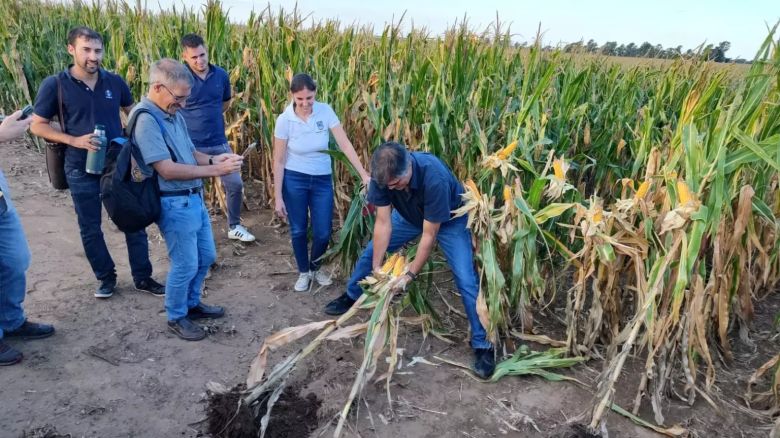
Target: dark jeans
x=454 y=239
x=85 y=191
x=306 y=195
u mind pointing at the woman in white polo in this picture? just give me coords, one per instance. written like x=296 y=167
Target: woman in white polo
x=303 y=184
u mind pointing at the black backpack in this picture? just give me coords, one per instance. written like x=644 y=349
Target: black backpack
x=131 y=205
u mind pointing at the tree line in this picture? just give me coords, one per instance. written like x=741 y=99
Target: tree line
x=711 y=52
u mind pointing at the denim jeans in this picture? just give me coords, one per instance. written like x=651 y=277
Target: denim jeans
x=455 y=242
x=85 y=191
x=308 y=195
x=14 y=261
x=185 y=226
x=233 y=186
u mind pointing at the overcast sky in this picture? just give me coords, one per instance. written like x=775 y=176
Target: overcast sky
x=670 y=23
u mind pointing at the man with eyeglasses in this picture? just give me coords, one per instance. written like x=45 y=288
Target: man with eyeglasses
x=166 y=147
x=88 y=95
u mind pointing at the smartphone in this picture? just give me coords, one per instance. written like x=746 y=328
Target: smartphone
x=26 y=112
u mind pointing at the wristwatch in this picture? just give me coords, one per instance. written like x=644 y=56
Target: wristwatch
x=211 y=159
x=411 y=275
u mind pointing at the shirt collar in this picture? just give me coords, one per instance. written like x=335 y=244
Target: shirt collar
x=415 y=181
x=151 y=106
x=290 y=111
x=195 y=75
x=101 y=73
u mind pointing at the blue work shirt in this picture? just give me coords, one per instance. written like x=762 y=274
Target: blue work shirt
x=433 y=192
x=148 y=136
x=84 y=108
x=203 y=111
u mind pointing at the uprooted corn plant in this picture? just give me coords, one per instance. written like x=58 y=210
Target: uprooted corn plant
x=655 y=189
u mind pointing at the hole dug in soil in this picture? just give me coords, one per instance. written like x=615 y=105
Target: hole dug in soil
x=291 y=415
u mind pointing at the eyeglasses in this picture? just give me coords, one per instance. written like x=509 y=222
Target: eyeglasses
x=175 y=97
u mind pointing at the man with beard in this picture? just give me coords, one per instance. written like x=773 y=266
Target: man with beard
x=87 y=95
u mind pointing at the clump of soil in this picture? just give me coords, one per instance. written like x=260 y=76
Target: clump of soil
x=291 y=415
x=47 y=431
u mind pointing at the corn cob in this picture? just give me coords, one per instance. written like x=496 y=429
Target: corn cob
x=684 y=193
x=507 y=151
x=398 y=269
x=389 y=264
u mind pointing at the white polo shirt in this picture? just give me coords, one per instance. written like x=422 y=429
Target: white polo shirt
x=306 y=140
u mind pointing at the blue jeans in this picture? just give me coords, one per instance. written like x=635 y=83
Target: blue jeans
x=308 y=195
x=85 y=191
x=233 y=186
x=14 y=261
x=184 y=223
x=455 y=242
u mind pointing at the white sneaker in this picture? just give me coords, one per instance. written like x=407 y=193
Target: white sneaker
x=239 y=232
x=322 y=278
x=302 y=285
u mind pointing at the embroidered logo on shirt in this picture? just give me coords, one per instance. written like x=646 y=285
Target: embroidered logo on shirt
x=320 y=125
x=109 y=95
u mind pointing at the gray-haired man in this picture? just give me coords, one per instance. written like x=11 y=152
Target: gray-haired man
x=184 y=221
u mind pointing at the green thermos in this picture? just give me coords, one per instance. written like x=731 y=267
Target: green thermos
x=96 y=160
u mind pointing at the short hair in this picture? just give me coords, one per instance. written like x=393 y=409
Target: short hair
x=390 y=161
x=83 y=32
x=169 y=71
x=192 y=40
x=301 y=81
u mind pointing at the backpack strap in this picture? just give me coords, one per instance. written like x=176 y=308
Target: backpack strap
x=130 y=128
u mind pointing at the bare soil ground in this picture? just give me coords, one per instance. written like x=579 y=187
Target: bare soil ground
x=114 y=370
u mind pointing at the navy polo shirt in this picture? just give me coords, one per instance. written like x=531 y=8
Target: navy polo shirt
x=433 y=192
x=203 y=111
x=84 y=108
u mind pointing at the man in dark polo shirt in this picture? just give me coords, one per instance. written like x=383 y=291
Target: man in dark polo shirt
x=91 y=96
x=415 y=194
x=203 y=113
x=184 y=221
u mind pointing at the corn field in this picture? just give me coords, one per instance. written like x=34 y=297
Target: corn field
x=654 y=187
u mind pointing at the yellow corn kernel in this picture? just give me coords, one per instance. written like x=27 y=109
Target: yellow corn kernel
x=507 y=151
x=558 y=169
x=684 y=193
x=389 y=264
x=473 y=187
x=642 y=191
x=398 y=269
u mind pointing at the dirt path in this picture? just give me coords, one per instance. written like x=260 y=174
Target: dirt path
x=113 y=369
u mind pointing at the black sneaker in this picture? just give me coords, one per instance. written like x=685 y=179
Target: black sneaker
x=106 y=288
x=151 y=286
x=186 y=329
x=8 y=355
x=340 y=305
x=203 y=311
x=31 y=330
x=484 y=362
